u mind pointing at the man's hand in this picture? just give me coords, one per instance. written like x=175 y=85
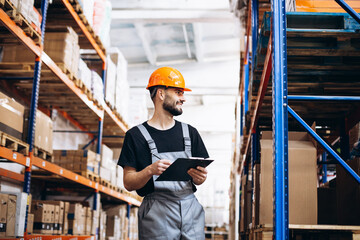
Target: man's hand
x=159 y=167
x=198 y=175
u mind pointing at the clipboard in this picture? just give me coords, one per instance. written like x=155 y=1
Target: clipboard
x=177 y=171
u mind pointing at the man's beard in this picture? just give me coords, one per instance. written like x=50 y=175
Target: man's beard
x=171 y=108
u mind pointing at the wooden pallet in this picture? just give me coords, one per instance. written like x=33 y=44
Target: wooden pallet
x=66 y=70
x=14 y=144
x=89 y=175
x=43 y=154
x=12 y=12
x=104 y=182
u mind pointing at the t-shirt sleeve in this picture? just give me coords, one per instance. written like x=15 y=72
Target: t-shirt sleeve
x=127 y=156
x=198 y=148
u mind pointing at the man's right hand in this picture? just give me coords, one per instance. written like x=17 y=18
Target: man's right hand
x=159 y=166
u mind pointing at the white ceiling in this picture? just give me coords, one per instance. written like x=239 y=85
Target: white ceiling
x=166 y=32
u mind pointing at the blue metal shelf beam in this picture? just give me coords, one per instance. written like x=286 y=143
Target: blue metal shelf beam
x=324 y=144
x=323 y=98
x=349 y=10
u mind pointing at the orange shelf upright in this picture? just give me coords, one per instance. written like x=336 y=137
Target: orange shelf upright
x=19 y=33
x=55 y=69
x=115 y=118
x=15 y=156
x=84 y=29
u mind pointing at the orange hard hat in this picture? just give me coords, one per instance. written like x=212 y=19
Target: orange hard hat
x=168 y=77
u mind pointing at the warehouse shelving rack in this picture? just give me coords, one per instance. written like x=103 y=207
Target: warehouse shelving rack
x=254 y=93
x=97 y=117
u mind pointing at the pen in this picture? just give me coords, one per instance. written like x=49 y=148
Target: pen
x=156 y=156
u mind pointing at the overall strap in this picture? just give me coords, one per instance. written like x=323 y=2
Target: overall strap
x=148 y=138
x=187 y=140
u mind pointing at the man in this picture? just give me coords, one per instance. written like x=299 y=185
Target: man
x=170 y=210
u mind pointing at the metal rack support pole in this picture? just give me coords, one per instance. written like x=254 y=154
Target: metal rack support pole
x=349 y=10
x=324 y=167
x=33 y=107
x=280 y=122
x=255 y=30
x=101 y=121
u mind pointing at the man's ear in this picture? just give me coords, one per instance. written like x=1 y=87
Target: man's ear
x=161 y=93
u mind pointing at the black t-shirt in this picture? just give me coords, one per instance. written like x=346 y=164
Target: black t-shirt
x=136 y=153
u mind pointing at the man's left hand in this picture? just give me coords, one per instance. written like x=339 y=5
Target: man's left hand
x=198 y=175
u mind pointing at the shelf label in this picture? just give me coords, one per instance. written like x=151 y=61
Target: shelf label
x=119 y=194
x=90 y=183
x=27 y=163
x=96 y=185
x=102 y=188
x=61 y=171
x=111 y=191
x=14 y=156
x=43 y=163
x=76 y=177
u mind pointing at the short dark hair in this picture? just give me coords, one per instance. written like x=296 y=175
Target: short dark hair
x=153 y=90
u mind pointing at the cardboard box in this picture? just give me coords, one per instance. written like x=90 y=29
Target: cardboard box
x=302 y=180
x=3 y=213
x=65 y=217
x=348 y=194
x=11 y=116
x=75 y=211
x=21 y=200
x=11 y=217
x=44 y=132
x=30 y=223
x=41 y=212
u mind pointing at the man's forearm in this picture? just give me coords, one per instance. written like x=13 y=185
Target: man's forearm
x=135 y=180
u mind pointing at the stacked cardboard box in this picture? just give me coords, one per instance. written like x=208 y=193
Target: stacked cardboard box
x=88 y=221
x=84 y=74
x=122 y=88
x=43 y=138
x=43 y=217
x=11 y=116
x=102 y=228
x=77 y=160
x=97 y=88
x=95 y=222
x=30 y=223
x=102 y=20
x=63 y=47
x=245 y=204
x=117 y=214
x=302 y=180
x=65 y=218
x=58 y=216
x=133 y=235
x=110 y=82
x=16 y=212
x=77 y=218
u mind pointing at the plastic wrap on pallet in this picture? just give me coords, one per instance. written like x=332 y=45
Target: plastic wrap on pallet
x=25 y=7
x=119 y=177
x=84 y=74
x=97 y=87
x=110 y=82
x=113 y=178
x=102 y=20
x=88 y=9
x=106 y=156
x=35 y=19
x=105 y=174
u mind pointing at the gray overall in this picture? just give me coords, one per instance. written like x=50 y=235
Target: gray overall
x=172 y=211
